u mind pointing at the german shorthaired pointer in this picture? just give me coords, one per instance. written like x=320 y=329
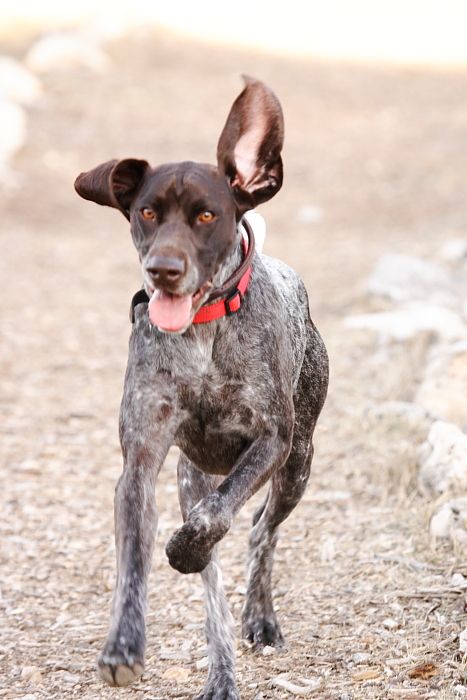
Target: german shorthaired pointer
x=225 y=363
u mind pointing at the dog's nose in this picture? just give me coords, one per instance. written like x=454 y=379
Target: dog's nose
x=165 y=269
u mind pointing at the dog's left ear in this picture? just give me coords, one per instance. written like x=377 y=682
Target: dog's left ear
x=249 y=147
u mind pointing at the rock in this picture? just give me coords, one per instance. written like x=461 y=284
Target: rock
x=443 y=460
x=454 y=250
x=403 y=278
x=458 y=580
x=450 y=522
x=361 y=657
x=394 y=413
x=410 y=320
x=67 y=50
x=17 y=83
x=443 y=390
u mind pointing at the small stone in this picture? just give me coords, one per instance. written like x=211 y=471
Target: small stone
x=202 y=663
x=268 y=651
x=240 y=590
x=70 y=678
x=390 y=623
x=361 y=657
x=458 y=580
x=450 y=522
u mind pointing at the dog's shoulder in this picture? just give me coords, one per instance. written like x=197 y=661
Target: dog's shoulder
x=285 y=281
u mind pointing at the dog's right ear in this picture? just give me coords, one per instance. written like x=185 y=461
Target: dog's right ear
x=249 y=148
x=114 y=183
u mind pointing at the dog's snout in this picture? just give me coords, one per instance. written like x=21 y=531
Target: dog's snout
x=165 y=269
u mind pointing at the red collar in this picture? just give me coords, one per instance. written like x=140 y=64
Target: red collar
x=231 y=293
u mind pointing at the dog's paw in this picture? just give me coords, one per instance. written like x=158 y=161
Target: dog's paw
x=219 y=689
x=116 y=670
x=189 y=549
x=121 y=662
x=261 y=631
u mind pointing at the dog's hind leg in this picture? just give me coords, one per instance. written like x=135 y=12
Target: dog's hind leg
x=259 y=622
x=193 y=485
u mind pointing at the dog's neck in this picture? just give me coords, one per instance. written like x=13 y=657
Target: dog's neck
x=233 y=261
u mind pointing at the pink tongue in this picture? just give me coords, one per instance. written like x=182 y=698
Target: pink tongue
x=169 y=312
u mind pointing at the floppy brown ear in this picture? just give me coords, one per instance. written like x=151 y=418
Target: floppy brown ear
x=113 y=183
x=249 y=147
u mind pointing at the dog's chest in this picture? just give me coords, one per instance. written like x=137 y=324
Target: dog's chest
x=220 y=410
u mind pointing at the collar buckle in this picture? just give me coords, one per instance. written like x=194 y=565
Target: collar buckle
x=233 y=302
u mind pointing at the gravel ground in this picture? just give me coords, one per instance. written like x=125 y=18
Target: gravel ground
x=375 y=161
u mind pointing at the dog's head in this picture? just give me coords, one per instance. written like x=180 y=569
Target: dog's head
x=183 y=216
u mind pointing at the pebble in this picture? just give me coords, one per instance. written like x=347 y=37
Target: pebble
x=202 y=663
x=361 y=657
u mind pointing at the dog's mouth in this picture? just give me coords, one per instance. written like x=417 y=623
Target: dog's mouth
x=173 y=313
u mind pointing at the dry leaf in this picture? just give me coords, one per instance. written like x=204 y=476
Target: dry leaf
x=423 y=671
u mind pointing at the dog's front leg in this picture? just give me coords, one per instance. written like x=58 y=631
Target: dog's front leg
x=146 y=433
x=189 y=549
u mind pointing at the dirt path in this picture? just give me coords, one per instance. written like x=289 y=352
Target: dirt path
x=362 y=595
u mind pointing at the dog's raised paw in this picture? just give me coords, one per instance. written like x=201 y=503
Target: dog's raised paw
x=116 y=672
x=188 y=551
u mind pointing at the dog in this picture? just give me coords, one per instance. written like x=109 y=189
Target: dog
x=225 y=363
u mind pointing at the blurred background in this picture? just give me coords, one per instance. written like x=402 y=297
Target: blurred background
x=373 y=214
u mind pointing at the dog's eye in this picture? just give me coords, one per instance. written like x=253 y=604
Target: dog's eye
x=205 y=217
x=148 y=214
